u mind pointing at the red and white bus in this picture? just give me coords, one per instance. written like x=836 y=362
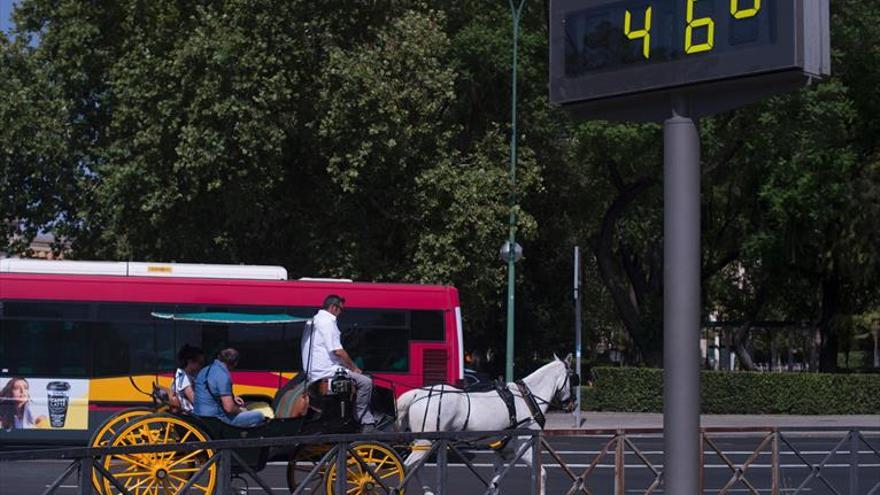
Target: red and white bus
x=76 y=334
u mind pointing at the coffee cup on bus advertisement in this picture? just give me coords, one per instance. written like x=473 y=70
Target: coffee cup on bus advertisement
x=58 y=400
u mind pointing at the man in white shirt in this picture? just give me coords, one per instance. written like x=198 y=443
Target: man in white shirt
x=322 y=355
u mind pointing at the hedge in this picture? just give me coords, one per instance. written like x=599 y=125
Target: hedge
x=725 y=392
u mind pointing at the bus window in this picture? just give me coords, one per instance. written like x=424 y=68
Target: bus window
x=46 y=310
x=378 y=349
x=121 y=349
x=365 y=318
x=43 y=348
x=187 y=333
x=262 y=348
x=427 y=325
x=376 y=340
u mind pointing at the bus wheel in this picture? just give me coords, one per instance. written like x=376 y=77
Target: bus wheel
x=163 y=473
x=382 y=460
x=109 y=428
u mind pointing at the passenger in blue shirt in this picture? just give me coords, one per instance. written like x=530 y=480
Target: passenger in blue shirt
x=213 y=393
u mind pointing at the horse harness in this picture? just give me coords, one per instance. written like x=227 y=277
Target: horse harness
x=509 y=401
x=532 y=404
x=508 y=398
x=529 y=398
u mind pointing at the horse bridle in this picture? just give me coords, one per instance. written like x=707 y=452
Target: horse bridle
x=572 y=381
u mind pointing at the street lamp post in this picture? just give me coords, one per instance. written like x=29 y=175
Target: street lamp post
x=516 y=12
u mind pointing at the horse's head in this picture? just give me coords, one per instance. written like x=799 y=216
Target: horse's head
x=567 y=384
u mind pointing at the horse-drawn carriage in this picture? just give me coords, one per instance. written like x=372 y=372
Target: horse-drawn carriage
x=329 y=411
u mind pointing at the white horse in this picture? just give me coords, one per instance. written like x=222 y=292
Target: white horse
x=445 y=408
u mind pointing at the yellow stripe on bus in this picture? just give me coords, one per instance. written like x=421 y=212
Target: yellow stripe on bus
x=120 y=389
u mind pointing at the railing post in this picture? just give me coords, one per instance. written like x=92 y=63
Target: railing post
x=774 y=464
x=537 y=467
x=224 y=473
x=619 y=464
x=85 y=475
x=341 y=468
x=441 y=466
x=854 y=461
x=702 y=458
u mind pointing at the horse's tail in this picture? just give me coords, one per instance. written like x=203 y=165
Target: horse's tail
x=403 y=402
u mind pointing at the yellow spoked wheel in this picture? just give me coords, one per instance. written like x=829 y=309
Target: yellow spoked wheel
x=108 y=429
x=160 y=473
x=382 y=460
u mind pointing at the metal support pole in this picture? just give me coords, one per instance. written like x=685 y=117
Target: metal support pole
x=577 y=329
x=441 y=466
x=537 y=465
x=224 y=474
x=85 y=475
x=619 y=463
x=854 y=461
x=341 y=468
x=511 y=260
x=702 y=468
x=681 y=303
x=774 y=464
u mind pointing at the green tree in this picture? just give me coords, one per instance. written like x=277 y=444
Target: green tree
x=37 y=179
x=327 y=141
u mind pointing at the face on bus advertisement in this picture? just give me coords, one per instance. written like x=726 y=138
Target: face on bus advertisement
x=47 y=403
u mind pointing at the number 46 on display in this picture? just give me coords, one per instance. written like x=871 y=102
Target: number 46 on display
x=736 y=10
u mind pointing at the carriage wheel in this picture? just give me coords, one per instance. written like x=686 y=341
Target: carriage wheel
x=157 y=473
x=108 y=429
x=382 y=459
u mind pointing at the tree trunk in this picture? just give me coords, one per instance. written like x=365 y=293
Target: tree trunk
x=644 y=338
x=740 y=338
x=825 y=338
x=815 y=348
x=877 y=348
x=741 y=334
x=830 y=350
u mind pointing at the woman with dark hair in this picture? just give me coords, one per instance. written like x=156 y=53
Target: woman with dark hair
x=15 y=406
x=190 y=360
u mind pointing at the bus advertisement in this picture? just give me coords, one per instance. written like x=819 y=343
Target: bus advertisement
x=78 y=341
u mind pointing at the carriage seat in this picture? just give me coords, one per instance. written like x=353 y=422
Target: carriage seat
x=291 y=400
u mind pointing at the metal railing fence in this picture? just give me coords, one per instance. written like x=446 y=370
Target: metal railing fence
x=758 y=469
x=807 y=470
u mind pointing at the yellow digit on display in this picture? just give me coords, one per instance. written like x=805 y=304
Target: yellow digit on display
x=707 y=22
x=738 y=13
x=640 y=33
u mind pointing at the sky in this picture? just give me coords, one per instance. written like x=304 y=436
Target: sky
x=5 y=11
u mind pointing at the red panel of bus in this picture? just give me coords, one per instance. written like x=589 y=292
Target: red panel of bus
x=90 y=339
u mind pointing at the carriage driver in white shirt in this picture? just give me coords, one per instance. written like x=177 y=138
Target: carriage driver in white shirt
x=327 y=356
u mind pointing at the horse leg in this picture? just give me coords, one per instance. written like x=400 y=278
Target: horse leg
x=420 y=449
x=498 y=465
x=527 y=458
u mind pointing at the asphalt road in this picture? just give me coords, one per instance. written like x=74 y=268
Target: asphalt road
x=578 y=453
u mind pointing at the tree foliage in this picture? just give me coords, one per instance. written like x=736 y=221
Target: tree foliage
x=371 y=141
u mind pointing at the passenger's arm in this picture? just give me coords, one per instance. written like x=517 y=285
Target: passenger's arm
x=229 y=405
x=188 y=393
x=346 y=360
x=227 y=400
